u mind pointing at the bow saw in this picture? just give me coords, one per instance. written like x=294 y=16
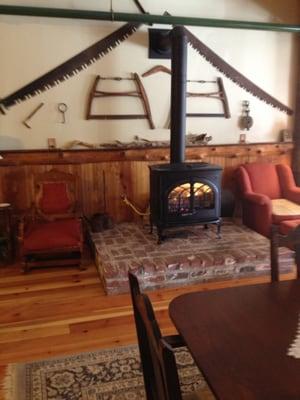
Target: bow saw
x=98 y=50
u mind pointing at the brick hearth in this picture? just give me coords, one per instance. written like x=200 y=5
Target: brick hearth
x=191 y=255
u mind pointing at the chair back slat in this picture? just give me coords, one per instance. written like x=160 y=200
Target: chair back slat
x=158 y=360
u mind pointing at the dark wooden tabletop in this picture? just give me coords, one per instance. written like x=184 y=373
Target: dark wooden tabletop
x=239 y=338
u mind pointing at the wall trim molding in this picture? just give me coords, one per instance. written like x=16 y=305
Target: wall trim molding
x=86 y=156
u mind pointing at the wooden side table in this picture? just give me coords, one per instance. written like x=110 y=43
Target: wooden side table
x=6 y=233
x=286 y=234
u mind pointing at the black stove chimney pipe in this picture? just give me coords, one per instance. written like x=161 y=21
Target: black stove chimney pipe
x=178 y=94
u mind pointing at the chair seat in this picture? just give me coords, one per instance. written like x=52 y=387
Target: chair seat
x=44 y=236
x=286 y=226
x=283 y=209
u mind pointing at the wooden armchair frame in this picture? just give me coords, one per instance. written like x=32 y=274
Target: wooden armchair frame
x=38 y=215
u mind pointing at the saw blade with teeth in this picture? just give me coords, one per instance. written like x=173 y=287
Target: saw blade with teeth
x=70 y=67
x=233 y=74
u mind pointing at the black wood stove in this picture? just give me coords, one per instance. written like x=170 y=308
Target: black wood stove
x=183 y=193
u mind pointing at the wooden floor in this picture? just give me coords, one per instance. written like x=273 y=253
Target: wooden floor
x=58 y=311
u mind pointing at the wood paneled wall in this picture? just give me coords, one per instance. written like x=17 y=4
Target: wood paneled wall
x=104 y=175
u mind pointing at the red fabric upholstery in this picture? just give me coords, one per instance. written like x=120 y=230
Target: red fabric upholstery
x=286 y=226
x=54 y=235
x=258 y=184
x=277 y=219
x=54 y=198
x=287 y=183
x=257 y=215
x=264 y=179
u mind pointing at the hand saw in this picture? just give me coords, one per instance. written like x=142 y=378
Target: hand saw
x=70 y=67
x=102 y=47
x=233 y=74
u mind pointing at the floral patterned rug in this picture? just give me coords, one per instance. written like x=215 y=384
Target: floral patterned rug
x=113 y=374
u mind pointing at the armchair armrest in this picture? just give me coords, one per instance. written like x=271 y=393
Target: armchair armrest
x=287 y=182
x=257 y=212
x=259 y=199
x=293 y=194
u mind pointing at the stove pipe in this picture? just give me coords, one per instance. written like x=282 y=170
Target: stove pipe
x=178 y=94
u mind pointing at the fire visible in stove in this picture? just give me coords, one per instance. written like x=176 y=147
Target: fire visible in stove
x=189 y=198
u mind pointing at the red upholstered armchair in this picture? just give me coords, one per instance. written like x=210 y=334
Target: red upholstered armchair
x=269 y=195
x=52 y=233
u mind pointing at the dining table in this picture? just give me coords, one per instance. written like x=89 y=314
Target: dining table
x=240 y=338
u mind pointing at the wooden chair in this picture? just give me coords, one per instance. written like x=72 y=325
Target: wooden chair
x=284 y=235
x=156 y=351
x=51 y=233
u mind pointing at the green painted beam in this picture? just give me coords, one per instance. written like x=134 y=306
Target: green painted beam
x=144 y=18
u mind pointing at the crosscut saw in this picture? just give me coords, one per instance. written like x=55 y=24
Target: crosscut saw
x=98 y=50
x=233 y=74
x=70 y=67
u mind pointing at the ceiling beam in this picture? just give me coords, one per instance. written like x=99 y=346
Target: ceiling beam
x=144 y=18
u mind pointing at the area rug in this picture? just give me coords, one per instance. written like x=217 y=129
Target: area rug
x=113 y=374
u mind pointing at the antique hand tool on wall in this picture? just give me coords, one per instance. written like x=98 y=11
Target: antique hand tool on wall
x=139 y=93
x=219 y=95
x=71 y=67
x=156 y=69
x=28 y=118
x=228 y=71
x=82 y=60
x=233 y=74
x=62 y=108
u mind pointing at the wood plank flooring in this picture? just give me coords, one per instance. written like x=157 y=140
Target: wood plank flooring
x=58 y=311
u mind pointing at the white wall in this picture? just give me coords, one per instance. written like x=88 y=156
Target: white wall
x=31 y=46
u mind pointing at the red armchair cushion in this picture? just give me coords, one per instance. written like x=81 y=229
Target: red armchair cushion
x=286 y=226
x=264 y=179
x=54 y=235
x=55 y=199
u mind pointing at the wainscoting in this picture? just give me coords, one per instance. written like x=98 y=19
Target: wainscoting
x=105 y=175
